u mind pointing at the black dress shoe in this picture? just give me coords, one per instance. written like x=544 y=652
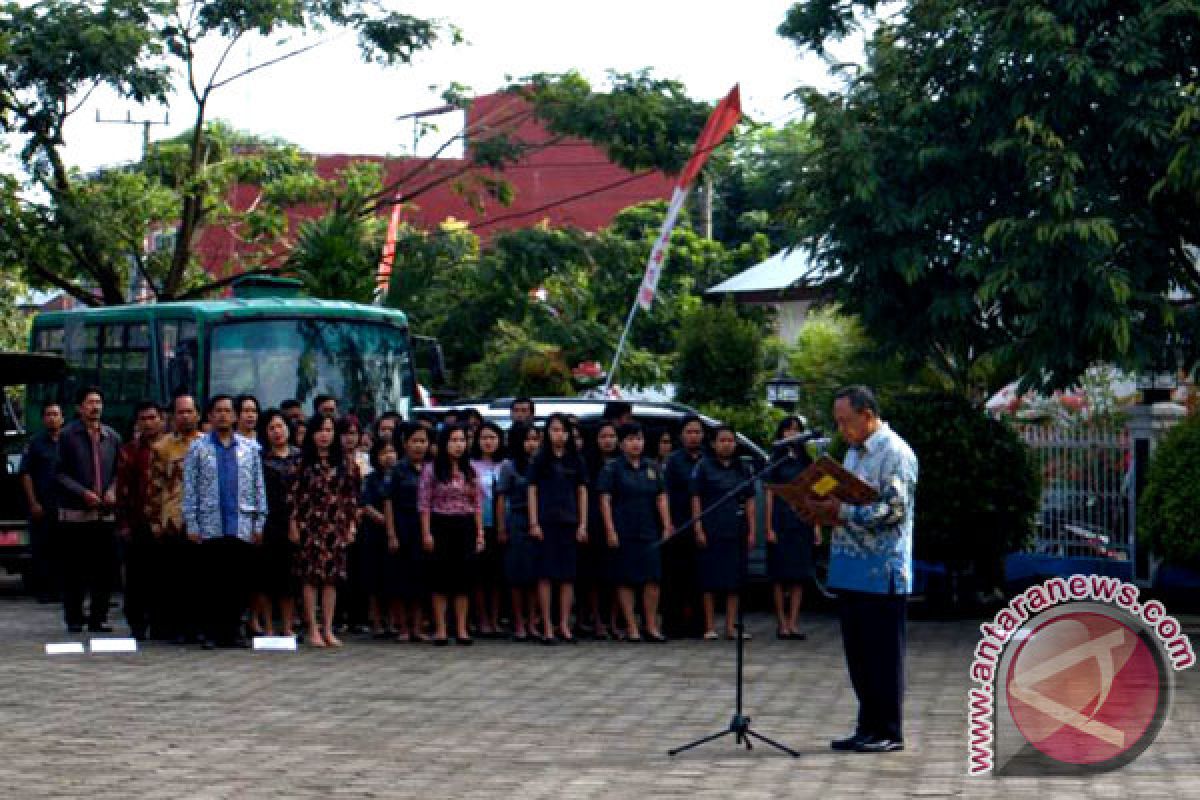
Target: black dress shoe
x=100 y=628
x=850 y=743
x=209 y=644
x=74 y=629
x=464 y=641
x=440 y=642
x=875 y=744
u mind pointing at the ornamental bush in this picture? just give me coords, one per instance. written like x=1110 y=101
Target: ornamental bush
x=978 y=490
x=1168 y=511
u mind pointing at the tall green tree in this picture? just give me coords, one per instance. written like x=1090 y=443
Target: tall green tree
x=54 y=53
x=1013 y=181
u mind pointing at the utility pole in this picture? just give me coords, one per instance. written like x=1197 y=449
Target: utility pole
x=145 y=123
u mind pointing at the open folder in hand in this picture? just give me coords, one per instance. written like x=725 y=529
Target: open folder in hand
x=823 y=478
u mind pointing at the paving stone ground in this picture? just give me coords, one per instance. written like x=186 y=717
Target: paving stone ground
x=502 y=720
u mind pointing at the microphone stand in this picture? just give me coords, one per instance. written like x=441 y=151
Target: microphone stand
x=739 y=726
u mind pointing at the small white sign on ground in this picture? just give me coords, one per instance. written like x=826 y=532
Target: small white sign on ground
x=113 y=645
x=274 y=642
x=64 y=648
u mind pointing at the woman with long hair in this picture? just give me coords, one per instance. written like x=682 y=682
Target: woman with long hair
x=595 y=559
x=324 y=503
x=373 y=539
x=450 y=502
x=558 y=509
x=280 y=461
x=352 y=597
x=486 y=456
x=512 y=523
x=790 y=540
x=406 y=581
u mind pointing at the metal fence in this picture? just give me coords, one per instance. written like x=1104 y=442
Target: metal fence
x=1087 y=490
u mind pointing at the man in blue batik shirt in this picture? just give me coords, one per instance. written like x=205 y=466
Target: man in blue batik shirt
x=225 y=507
x=870 y=567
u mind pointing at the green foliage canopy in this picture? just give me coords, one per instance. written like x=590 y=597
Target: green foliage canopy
x=1013 y=179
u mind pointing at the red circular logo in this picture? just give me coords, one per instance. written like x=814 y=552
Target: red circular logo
x=1084 y=688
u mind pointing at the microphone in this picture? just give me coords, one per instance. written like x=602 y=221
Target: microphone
x=799 y=438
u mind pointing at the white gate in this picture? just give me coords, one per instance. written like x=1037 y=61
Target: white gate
x=1087 y=490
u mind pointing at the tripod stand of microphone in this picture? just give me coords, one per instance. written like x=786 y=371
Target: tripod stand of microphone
x=739 y=726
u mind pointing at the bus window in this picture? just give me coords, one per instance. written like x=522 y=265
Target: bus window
x=49 y=340
x=179 y=353
x=81 y=348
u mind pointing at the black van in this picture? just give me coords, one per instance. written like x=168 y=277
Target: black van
x=18 y=369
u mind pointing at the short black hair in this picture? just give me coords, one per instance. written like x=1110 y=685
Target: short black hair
x=860 y=397
x=321 y=399
x=688 y=419
x=288 y=405
x=51 y=404
x=178 y=396
x=629 y=429
x=377 y=448
x=529 y=400
x=146 y=405
x=84 y=391
x=265 y=419
x=720 y=428
x=216 y=398
x=614 y=409
x=241 y=399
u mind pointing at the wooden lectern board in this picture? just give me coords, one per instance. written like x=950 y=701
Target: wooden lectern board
x=823 y=478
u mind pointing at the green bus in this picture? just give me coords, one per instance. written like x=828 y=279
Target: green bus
x=266 y=340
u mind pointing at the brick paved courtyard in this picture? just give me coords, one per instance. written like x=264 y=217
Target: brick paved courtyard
x=500 y=720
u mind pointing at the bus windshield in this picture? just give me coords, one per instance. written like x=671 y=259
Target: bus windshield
x=365 y=365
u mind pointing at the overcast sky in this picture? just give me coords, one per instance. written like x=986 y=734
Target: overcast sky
x=328 y=101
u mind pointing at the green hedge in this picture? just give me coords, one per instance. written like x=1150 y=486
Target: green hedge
x=978 y=491
x=1169 y=508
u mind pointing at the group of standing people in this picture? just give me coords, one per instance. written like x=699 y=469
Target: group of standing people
x=224 y=524
x=422 y=533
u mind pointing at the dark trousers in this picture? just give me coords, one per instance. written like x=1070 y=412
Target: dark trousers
x=874 y=637
x=143 y=583
x=89 y=558
x=178 y=592
x=44 y=579
x=227 y=563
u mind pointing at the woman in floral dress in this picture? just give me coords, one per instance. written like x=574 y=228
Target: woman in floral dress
x=324 y=503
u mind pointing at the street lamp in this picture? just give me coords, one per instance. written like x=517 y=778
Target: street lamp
x=783 y=391
x=1159 y=380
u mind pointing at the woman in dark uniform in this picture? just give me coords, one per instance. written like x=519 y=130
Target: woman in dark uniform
x=557 y=520
x=633 y=506
x=681 y=598
x=450 y=498
x=790 y=539
x=512 y=521
x=486 y=456
x=595 y=559
x=406 y=584
x=279 y=463
x=718 y=556
x=377 y=488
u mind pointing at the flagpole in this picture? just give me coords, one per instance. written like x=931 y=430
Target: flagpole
x=724 y=117
x=612 y=372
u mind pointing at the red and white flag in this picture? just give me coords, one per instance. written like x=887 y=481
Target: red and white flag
x=383 y=276
x=723 y=119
